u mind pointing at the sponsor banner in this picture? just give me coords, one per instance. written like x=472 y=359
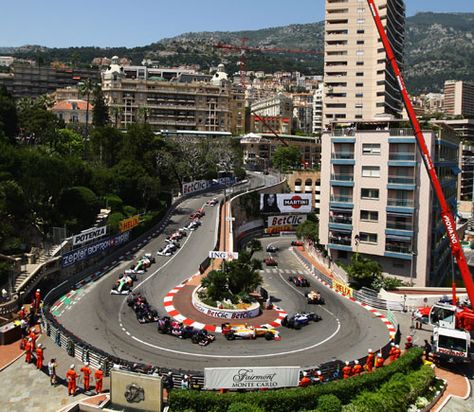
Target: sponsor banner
x=452 y=352
x=278 y=229
x=195 y=186
x=89 y=251
x=286 y=220
x=226 y=180
x=251 y=377
x=88 y=235
x=285 y=202
x=219 y=254
x=342 y=288
x=130 y=223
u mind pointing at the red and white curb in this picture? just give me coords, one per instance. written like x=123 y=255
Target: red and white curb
x=175 y=314
x=388 y=324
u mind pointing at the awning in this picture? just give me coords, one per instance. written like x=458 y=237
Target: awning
x=456 y=170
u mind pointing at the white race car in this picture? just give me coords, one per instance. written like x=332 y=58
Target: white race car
x=168 y=250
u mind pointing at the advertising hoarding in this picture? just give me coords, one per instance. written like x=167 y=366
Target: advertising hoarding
x=285 y=220
x=129 y=223
x=88 y=235
x=285 y=203
x=86 y=252
x=251 y=377
x=195 y=186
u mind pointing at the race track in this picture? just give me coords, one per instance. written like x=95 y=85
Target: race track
x=105 y=321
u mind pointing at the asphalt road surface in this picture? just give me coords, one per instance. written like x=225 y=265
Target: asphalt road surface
x=105 y=321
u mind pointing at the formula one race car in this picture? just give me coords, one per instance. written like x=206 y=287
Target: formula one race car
x=193 y=225
x=167 y=250
x=272 y=249
x=212 y=202
x=296 y=243
x=122 y=286
x=168 y=326
x=299 y=281
x=298 y=320
x=232 y=332
x=270 y=262
x=145 y=313
x=315 y=298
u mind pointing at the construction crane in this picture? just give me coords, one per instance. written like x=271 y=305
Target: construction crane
x=451 y=336
x=243 y=48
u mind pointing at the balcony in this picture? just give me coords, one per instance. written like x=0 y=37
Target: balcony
x=400 y=250
x=341 y=199
x=400 y=205
x=340 y=240
x=342 y=178
x=409 y=156
x=401 y=182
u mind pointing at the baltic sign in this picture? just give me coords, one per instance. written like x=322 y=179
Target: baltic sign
x=195 y=186
x=285 y=203
x=130 y=223
x=286 y=220
x=251 y=378
x=86 y=252
x=88 y=235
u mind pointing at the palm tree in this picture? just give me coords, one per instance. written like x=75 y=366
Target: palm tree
x=86 y=88
x=143 y=113
x=116 y=112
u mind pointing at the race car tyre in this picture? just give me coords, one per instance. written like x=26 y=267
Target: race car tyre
x=268 y=336
x=230 y=336
x=284 y=322
x=195 y=339
x=297 y=326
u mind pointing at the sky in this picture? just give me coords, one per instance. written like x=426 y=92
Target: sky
x=59 y=23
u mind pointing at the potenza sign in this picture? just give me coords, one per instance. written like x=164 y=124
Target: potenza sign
x=88 y=235
x=195 y=186
x=287 y=220
x=251 y=378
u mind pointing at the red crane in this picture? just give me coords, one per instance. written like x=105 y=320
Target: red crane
x=244 y=48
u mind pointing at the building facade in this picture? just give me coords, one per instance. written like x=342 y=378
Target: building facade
x=275 y=111
x=32 y=81
x=459 y=98
x=258 y=149
x=173 y=105
x=376 y=199
x=73 y=111
x=318 y=110
x=307 y=181
x=359 y=82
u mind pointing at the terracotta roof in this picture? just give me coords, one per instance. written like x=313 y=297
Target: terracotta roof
x=72 y=104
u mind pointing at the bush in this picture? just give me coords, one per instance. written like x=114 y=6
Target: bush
x=129 y=211
x=329 y=403
x=294 y=399
x=243 y=407
x=396 y=394
x=114 y=203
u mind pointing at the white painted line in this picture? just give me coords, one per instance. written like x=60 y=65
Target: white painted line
x=168 y=299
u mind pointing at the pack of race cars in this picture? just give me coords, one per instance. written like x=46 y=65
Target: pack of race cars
x=124 y=284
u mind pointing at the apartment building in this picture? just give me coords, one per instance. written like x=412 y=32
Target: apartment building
x=376 y=199
x=318 y=110
x=73 y=111
x=459 y=98
x=276 y=111
x=303 y=112
x=258 y=149
x=26 y=80
x=307 y=181
x=359 y=82
x=172 y=105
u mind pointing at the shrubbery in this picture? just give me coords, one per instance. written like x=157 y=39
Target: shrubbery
x=290 y=400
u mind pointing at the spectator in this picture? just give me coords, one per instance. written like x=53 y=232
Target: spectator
x=305 y=380
x=427 y=350
x=4 y=295
x=52 y=371
x=185 y=382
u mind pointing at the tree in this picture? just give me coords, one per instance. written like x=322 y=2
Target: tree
x=216 y=284
x=86 y=88
x=79 y=206
x=363 y=271
x=37 y=123
x=243 y=275
x=308 y=230
x=100 y=110
x=68 y=143
x=286 y=157
x=116 y=113
x=8 y=114
x=254 y=246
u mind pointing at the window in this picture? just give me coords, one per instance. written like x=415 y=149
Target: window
x=360 y=41
x=359 y=74
x=369 y=215
x=359 y=95
x=359 y=52
x=359 y=106
x=360 y=63
x=370 y=148
x=359 y=84
x=370 y=171
x=360 y=31
x=360 y=21
x=367 y=237
x=372 y=194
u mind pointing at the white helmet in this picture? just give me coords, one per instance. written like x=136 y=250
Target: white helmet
x=347 y=363
x=356 y=362
x=39 y=345
x=73 y=366
x=370 y=350
x=86 y=363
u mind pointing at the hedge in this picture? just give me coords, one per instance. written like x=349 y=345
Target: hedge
x=396 y=394
x=294 y=399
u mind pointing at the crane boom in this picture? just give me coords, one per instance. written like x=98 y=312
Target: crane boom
x=446 y=214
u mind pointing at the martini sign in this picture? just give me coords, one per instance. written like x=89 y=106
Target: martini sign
x=285 y=203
